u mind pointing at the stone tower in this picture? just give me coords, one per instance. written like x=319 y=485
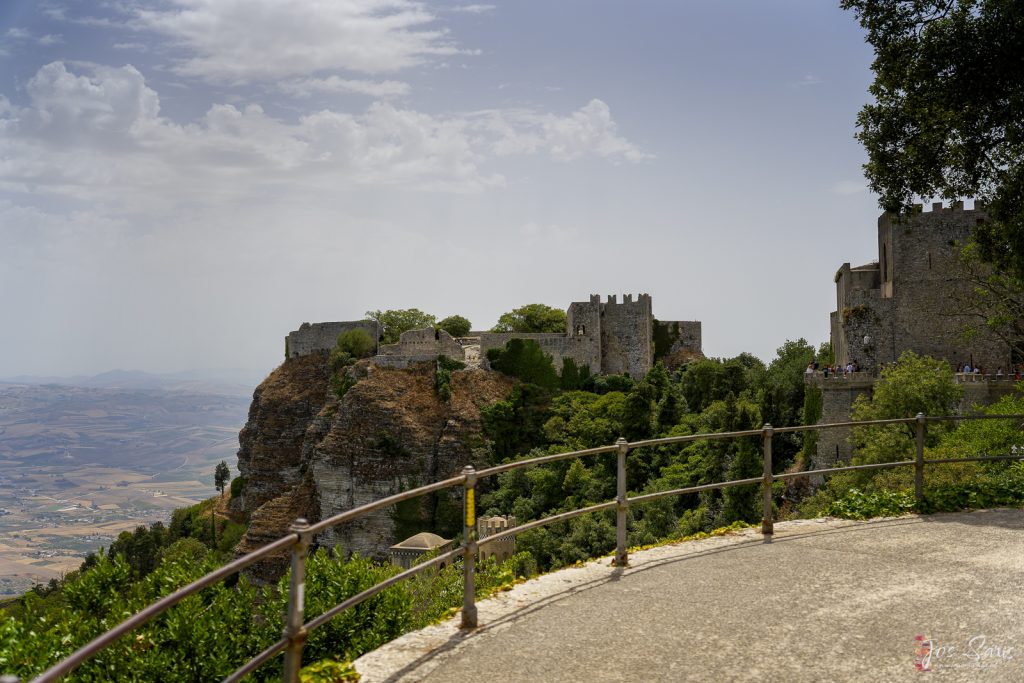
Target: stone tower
x=626 y=336
x=912 y=297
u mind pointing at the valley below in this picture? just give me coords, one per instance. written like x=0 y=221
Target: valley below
x=79 y=465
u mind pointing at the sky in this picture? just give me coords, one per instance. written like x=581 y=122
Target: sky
x=184 y=182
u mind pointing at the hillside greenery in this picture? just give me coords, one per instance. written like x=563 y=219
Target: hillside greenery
x=209 y=635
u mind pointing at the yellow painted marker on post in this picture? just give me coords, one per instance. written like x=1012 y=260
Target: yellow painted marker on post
x=470 y=507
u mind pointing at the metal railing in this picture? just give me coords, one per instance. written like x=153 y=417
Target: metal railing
x=301 y=533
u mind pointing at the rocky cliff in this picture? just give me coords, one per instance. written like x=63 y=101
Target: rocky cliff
x=306 y=453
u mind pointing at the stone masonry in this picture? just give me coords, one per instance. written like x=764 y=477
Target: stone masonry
x=907 y=300
x=312 y=337
x=608 y=337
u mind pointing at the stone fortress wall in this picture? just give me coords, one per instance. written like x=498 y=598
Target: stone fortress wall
x=608 y=337
x=312 y=337
x=417 y=346
x=909 y=299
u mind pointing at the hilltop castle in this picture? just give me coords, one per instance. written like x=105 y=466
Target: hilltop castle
x=608 y=337
x=913 y=297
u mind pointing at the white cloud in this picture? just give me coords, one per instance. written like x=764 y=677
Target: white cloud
x=240 y=41
x=100 y=136
x=589 y=130
x=141 y=47
x=849 y=187
x=305 y=87
x=24 y=35
x=474 y=9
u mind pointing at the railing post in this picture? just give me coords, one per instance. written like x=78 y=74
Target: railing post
x=919 y=461
x=469 y=548
x=622 y=507
x=293 y=630
x=767 y=523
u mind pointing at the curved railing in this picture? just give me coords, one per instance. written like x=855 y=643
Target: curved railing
x=301 y=534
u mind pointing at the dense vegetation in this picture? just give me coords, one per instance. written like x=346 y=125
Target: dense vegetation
x=556 y=412
x=207 y=636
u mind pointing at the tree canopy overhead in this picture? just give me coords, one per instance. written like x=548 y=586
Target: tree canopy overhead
x=532 y=318
x=948 y=115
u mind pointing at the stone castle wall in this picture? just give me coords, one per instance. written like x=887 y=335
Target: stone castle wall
x=559 y=346
x=677 y=341
x=837 y=397
x=312 y=337
x=910 y=299
x=415 y=346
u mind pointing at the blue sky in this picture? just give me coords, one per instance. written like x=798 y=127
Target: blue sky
x=183 y=182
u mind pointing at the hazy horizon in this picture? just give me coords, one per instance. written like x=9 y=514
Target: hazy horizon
x=184 y=182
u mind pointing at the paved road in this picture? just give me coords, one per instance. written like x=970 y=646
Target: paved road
x=826 y=600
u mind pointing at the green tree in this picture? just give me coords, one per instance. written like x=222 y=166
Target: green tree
x=221 y=477
x=826 y=356
x=916 y=384
x=456 y=325
x=532 y=318
x=705 y=381
x=394 y=322
x=948 y=115
x=525 y=360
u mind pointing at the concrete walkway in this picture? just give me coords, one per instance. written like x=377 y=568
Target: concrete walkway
x=825 y=600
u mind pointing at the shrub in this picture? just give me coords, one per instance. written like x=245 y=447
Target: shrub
x=358 y=343
x=237 y=486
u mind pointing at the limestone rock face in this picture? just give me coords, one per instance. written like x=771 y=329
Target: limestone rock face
x=391 y=433
x=272 y=440
x=306 y=453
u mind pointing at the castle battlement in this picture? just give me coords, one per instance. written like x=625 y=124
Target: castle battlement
x=939 y=207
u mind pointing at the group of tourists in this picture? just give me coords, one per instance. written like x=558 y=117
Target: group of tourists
x=833 y=371
x=966 y=372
